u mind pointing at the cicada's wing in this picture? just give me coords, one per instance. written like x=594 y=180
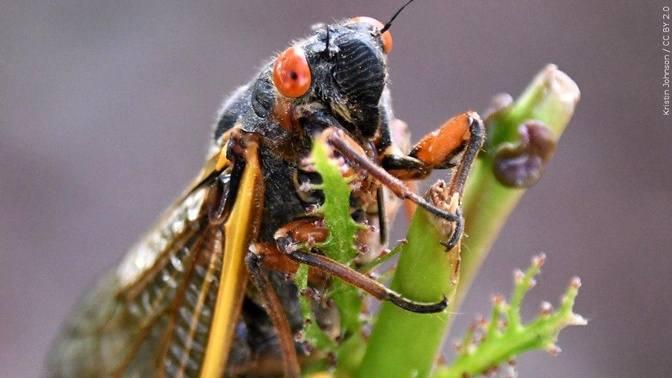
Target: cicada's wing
x=126 y=306
x=154 y=313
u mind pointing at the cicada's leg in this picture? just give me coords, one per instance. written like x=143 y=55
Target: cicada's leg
x=461 y=136
x=365 y=282
x=275 y=311
x=382 y=219
x=454 y=145
x=341 y=142
x=290 y=239
x=395 y=140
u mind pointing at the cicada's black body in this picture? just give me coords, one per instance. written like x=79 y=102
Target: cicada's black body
x=193 y=297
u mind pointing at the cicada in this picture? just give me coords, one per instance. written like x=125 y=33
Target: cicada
x=208 y=291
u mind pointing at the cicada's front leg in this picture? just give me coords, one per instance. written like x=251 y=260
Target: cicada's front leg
x=454 y=145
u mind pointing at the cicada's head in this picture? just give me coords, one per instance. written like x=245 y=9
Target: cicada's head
x=341 y=69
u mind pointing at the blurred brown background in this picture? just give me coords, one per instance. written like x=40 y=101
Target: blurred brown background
x=106 y=107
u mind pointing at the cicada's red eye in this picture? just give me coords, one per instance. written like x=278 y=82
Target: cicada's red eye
x=291 y=73
x=386 y=37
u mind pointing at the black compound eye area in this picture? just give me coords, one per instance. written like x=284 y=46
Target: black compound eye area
x=359 y=75
x=359 y=72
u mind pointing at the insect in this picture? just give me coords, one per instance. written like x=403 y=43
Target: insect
x=206 y=291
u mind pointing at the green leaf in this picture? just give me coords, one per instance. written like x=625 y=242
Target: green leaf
x=340 y=244
x=504 y=336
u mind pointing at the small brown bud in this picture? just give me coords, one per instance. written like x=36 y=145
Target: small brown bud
x=522 y=164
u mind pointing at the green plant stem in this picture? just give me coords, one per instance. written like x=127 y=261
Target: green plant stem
x=402 y=343
x=551 y=98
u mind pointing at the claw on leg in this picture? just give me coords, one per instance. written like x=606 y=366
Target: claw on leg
x=454 y=145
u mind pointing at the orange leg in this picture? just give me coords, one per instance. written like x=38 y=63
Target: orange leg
x=453 y=145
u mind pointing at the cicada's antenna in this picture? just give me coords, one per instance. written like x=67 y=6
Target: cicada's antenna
x=389 y=23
